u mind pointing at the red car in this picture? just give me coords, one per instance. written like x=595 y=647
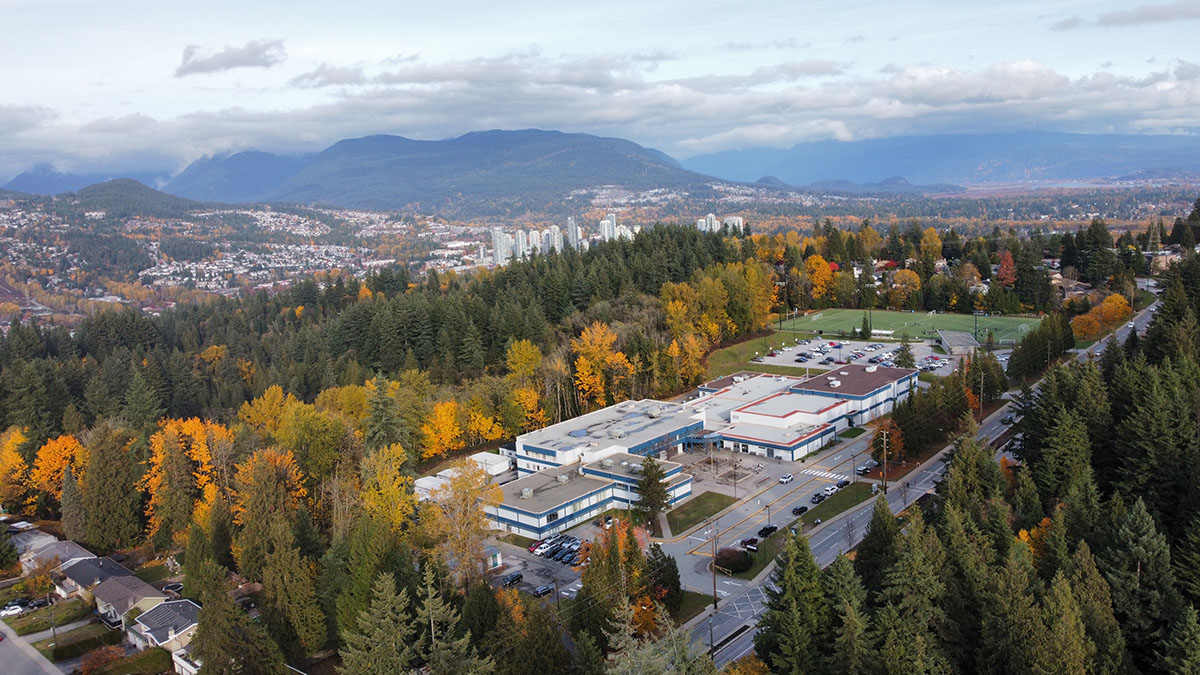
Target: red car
x=535 y=544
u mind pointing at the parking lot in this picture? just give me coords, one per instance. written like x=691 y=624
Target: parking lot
x=537 y=571
x=826 y=354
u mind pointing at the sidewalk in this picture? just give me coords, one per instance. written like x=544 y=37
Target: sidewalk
x=27 y=660
x=51 y=632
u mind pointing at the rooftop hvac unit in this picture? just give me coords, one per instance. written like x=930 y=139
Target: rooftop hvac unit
x=616 y=433
x=625 y=464
x=606 y=463
x=871 y=369
x=562 y=477
x=738 y=378
x=635 y=467
x=834 y=384
x=843 y=373
x=653 y=413
x=526 y=493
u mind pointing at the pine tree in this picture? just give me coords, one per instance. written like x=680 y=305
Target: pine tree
x=1028 y=501
x=589 y=660
x=1185 y=561
x=368 y=547
x=653 y=496
x=382 y=642
x=842 y=586
x=853 y=653
x=795 y=624
x=383 y=417
x=877 y=550
x=914 y=587
x=74 y=518
x=142 y=405
x=664 y=576
x=442 y=651
x=1138 y=568
x=1181 y=653
x=480 y=612
x=112 y=506
x=905 y=358
x=197 y=554
x=289 y=593
x=227 y=641
x=1065 y=648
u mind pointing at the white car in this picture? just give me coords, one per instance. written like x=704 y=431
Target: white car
x=11 y=611
x=829 y=491
x=1131 y=325
x=785 y=478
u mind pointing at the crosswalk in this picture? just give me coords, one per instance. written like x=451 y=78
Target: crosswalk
x=825 y=474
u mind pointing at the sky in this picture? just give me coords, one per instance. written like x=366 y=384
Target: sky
x=120 y=86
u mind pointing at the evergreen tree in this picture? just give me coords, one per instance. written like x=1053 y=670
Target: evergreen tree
x=228 y=642
x=197 y=555
x=220 y=537
x=914 y=588
x=442 y=651
x=905 y=358
x=383 y=417
x=289 y=593
x=877 y=550
x=142 y=405
x=1137 y=565
x=368 y=548
x=853 y=653
x=1028 y=502
x=664 y=576
x=382 y=641
x=111 y=503
x=1185 y=561
x=1012 y=625
x=653 y=496
x=842 y=586
x=74 y=518
x=1065 y=647
x=795 y=624
x=589 y=660
x=480 y=612
x=1181 y=654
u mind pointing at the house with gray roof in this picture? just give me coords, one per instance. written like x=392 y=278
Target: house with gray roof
x=117 y=597
x=169 y=624
x=60 y=553
x=82 y=576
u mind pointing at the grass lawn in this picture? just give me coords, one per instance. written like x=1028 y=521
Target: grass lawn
x=849 y=496
x=692 y=512
x=853 y=432
x=914 y=323
x=517 y=540
x=1143 y=300
x=37 y=620
x=146 y=662
x=70 y=637
x=736 y=358
x=152 y=572
x=693 y=604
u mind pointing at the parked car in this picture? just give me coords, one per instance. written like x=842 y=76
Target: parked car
x=534 y=545
x=1008 y=419
x=544 y=589
x=842 y=483
x=512 y=579
x=748 y=541
x=785 y=479
x=11 y=610
x=799 y=510
x=766 y=531
x=862 y=469
x=39 y=603
x=817 y=498
x=831 y=490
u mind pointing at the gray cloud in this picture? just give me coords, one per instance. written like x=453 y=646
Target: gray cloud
x=1184 y=10
x=326 y=75
x=17 y=118
x=255 y=54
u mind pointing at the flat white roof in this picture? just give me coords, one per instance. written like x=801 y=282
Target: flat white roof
x=787 y=437
x=626 y=424
x=719 y=404
x=490 y=459
x=789 y=403
x=623 y=464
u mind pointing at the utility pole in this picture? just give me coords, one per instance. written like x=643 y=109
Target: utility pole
x=884 y=432
x=713 y=535
x=557 y=597
x=980 y=395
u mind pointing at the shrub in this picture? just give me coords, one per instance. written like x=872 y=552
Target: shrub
x=94 y=662
x=734 y=559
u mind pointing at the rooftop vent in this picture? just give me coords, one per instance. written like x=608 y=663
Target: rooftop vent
x=871 y=369
x=738 y=378
x=654 y=413
x=635 y=467
x=843 y=373
x=616 y=433
x=835 y=384
x=606 y=463
x=562 y=477
x=526 y=493
x=624 y=463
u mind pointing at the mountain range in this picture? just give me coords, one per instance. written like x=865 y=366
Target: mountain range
x=505 y=173
x=959 y=159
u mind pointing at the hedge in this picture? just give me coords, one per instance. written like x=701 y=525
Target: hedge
x=76 y=649
x=734 y=559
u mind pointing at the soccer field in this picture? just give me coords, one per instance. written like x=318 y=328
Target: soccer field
x=916 y=324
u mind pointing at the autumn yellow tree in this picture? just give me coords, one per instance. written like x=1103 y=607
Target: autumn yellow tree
x=455 y=517
x=601 y=372
x=691 y=360
x=13 y=469
x=819 y=275
x=181 y=466
x=442 y=433
x=266 y=412
x=52 y=460
x=523 y=358
x=905 y=284
x=387 y=492
x=482 y=427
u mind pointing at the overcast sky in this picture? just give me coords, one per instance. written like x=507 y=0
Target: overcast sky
x=120 y=85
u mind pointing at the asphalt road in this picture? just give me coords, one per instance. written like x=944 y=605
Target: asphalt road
x=17 y=657
x=732 y=627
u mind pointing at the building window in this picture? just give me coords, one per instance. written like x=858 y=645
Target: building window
x=552 y=517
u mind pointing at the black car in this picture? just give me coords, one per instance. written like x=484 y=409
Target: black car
x=766 y=531
x=817 y=498
x=799 y=510
x=544 y=589
x=39 y=603
x=842 y=483
x=512 y=579
x=563 y=555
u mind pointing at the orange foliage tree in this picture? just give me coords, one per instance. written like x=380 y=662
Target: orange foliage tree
x=13 y=469
x=442 y=432
x=181 y=466
x=52 y=460
x=601 y=372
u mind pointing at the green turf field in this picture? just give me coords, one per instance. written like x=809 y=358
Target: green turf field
x=916 y=324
